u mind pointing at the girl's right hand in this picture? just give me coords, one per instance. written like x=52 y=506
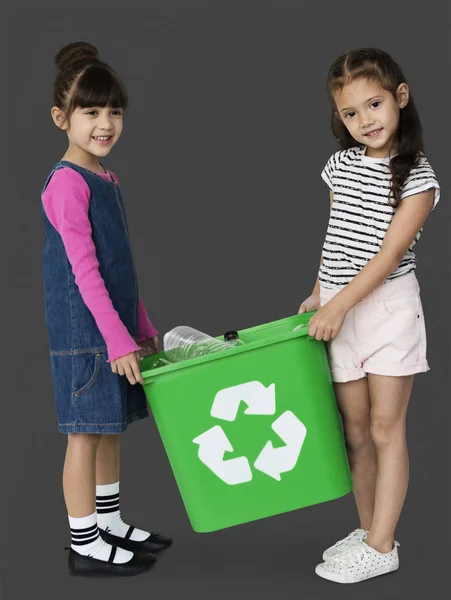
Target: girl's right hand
x=313 y=302
x=128 y=365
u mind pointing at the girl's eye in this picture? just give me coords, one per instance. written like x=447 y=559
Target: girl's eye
x=349 y=115
x=116 y=112
x=375 y=104
x=91 y=112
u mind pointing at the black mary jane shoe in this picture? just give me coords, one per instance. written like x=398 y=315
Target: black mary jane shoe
x=156 y=542
x=89 y=566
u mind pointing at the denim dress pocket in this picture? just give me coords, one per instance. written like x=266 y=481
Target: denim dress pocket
x=85 y=371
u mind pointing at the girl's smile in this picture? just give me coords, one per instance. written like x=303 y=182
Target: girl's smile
x=104 y=140
x=374 y=133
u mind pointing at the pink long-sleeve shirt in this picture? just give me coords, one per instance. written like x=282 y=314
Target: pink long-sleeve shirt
x=66 y=204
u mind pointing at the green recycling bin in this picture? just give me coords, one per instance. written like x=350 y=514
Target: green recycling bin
x=251 y=431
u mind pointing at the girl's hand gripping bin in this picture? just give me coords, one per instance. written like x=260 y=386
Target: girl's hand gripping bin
x=253 y=431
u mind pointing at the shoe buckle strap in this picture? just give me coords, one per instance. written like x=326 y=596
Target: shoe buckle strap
x=112 y=554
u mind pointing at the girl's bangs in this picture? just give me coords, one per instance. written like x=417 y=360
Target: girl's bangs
x=99 y=87
x=366 y=71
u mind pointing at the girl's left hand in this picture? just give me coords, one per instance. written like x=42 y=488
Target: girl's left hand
x=149 y=346
x=326 y=323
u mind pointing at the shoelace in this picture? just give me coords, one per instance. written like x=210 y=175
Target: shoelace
x=349 y=540
x=353 y=555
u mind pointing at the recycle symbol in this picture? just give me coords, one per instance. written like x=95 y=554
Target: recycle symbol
x=260 y=400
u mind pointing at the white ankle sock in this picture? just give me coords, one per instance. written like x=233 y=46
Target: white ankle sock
x=109 y=515
x=87 y=541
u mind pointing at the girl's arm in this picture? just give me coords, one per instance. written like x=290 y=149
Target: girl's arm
x=316 y=289
x=313 y=301
x=66 y=203
x=145 y=328
x=407 y=222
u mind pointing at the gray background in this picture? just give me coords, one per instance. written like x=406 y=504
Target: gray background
x=220 y=164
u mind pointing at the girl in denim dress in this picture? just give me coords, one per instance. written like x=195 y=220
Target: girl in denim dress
x=97 y=325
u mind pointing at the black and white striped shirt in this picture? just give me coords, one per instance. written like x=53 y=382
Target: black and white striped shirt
x=361 y=213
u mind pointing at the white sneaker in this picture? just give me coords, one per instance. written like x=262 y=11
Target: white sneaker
x=358 y=563
x=358 y=535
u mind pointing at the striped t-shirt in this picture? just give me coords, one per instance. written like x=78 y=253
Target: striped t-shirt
x=361 y=212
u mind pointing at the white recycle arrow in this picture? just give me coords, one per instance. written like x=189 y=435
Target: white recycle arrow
x=274 y=461
x=212 y=445
x=259 y=399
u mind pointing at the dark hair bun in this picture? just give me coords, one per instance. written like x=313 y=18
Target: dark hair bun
x=75 y=52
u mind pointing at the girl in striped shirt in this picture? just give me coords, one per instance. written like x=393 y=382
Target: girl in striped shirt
x=367 y=298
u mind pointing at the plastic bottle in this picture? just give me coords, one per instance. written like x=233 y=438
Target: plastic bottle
x=183 y=343
x=233 y=338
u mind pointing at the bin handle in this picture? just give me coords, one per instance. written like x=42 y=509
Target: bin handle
x=301 y=326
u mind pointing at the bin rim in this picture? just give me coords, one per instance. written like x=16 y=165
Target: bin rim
x=150 y=375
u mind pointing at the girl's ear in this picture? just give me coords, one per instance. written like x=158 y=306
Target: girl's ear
x=58 y=117
x=402 y=95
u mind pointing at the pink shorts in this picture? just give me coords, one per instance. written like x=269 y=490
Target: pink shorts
x=383 y=334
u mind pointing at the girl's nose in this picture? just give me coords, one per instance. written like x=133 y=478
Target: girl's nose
x=105 y=122
x=106 y=125
x=366 y=120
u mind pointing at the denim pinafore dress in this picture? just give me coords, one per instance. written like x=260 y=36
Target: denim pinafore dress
x=89 y=397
